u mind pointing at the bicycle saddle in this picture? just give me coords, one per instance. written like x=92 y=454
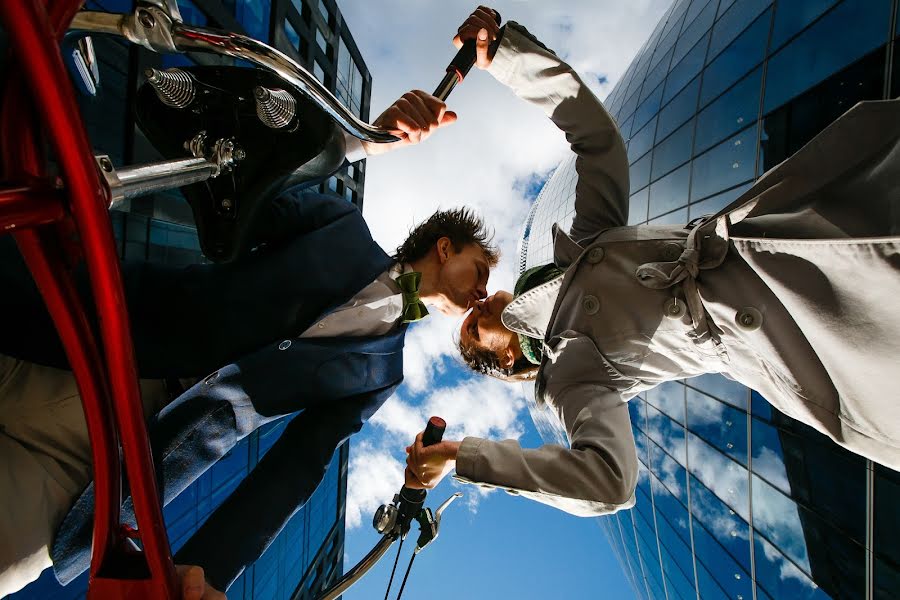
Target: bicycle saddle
x=264 y=136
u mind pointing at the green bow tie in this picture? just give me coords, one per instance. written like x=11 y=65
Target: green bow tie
x=413 y=308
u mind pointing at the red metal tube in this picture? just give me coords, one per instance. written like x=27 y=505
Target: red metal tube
x=22 y=158
x=24 y=207
x=31 y=37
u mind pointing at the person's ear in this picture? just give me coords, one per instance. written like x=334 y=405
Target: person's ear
x=508 y=358
x=444 y=245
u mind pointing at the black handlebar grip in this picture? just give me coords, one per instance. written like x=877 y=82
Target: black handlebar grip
x=434 y=431
x=465 y=57
x=411 y=500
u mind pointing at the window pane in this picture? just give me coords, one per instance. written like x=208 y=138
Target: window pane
x=735 y=21
x=637 y=206
x=669 y=507
x=630 y=105
x=760 y=406
x=727 y=479
x=684 y=71
x=669 y=398
x=318 y=71
x=679 y=110
x=291 y=34
x=720 y=387
x=792 y=125
x=730 y=112
x=648 y=107
x=723 y=568
x=637 y=410
x=721 y=523
x=641 y=141
x=678 y=562
x=344 y=60
x=848 y=32
x=655 y=77
x=321 y=41
x=639 y=174
x=673 y=151
x=780 y=577
x=726 y=165
x=672 y=475
x=323 y=10
x=719 y=424
x=711 y=206
x=677 y=217
x=747 y=51
x=695 y=30
x=667 y=433
x=886 y=521
x=793 y=16
x=626 y=127
x=670 y=192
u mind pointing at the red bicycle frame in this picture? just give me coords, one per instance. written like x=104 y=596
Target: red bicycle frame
x=56 y=222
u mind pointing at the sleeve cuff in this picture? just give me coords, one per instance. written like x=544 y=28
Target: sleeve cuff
x=467 y=457
x=355 y=151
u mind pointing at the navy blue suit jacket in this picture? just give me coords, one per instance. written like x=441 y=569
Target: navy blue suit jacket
x=236 y=325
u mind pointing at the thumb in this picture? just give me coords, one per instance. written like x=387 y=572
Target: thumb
x=448 y=118
x=457 y=42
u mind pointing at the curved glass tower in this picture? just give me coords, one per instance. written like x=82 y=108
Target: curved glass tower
x=735 y=500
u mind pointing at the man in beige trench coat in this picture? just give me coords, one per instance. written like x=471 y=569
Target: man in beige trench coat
x=793 y=290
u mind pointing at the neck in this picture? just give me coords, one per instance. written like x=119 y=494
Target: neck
x=428 y=291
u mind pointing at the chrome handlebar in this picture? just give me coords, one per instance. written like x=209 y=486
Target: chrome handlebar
x=154 y=27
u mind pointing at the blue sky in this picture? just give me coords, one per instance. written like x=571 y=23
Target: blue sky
x=494 y=159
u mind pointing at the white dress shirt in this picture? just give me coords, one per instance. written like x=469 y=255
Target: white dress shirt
x=375 y=310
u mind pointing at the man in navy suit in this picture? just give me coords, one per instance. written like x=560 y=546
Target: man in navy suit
x=311 y=322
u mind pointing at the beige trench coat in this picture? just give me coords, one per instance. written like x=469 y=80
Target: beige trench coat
x=793 y=290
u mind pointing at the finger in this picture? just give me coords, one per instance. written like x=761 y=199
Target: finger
x=489 y=18
x=213 y=594
x=410 y=109
x=448 y=118
x=192 y=582
x=486 y=21
x=405 y=123
x=481 y=49
x=436 y=106
x=468 y=32
x=426 y=111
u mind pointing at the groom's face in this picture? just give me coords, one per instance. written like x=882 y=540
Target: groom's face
x=463 y=278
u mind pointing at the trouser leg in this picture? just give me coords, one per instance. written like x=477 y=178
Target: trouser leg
x=45 y=462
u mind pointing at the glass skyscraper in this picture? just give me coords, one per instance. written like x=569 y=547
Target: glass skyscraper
x=736 y=500
x=309 y=552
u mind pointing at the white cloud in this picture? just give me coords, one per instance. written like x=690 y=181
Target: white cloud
x=489 y=409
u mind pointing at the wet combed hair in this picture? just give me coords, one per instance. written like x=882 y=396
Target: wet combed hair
x=461 y=225
x=482 y=360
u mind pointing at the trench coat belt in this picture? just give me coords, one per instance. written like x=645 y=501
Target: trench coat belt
x=705 y=248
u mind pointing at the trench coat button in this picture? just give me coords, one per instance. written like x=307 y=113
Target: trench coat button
x=590 y=304
x=749 y=319
x=595 y=255
x=284 y=345
x=671 y=252
x=673 y=309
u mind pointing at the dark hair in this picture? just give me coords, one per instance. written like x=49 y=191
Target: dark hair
x=461 y=225
x=481 y=360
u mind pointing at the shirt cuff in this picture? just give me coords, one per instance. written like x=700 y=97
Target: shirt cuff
x=467 y=457
x=355 y=150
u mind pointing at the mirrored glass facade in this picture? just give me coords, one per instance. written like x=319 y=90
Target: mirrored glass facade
x=736 y=500
x=309 y=552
